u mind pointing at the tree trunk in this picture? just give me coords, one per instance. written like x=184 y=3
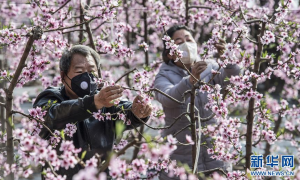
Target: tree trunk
x=250 y=115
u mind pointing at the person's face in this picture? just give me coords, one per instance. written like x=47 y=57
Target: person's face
x=79 y=65
x=179 y=37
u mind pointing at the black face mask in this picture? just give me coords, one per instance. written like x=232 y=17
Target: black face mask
x=83 y=84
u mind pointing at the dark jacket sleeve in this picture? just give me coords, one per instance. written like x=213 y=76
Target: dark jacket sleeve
x=63 y=111
x=129 y=115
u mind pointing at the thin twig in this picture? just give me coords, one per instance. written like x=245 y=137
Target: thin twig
x=199 y=7
x=52 y=169
x=99 y=26
x=30 y=117
x=62 y=28
x=256 y=143
x=212 y=170
x=74 y=31
x=125 y=75
x=253 y=41
x=175 y=134
x=167 y=127
x=61 y=7
x=207 y=118
x=240 y=160
x=122 y=151
x=253 y=21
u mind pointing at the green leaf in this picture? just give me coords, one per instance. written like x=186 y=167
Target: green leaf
x=120 y=127
x=148 y=138
x=84 y=40
x=265 y=54
x=70 y=9
x=226 y=78
x=89 y=111
x=138 y=25
x=62 y=134
x=11 y=123
x=83 y=154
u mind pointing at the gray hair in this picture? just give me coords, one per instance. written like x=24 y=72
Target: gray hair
x=66 y=58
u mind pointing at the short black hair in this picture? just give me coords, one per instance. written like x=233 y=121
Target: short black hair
x=66 y=58
x=170 y=32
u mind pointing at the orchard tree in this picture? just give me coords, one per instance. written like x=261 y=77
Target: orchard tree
x=256 y=112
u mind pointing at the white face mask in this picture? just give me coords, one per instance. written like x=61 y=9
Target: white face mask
x=190 y=53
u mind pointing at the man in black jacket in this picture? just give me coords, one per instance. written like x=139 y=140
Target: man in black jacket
x=78 y=98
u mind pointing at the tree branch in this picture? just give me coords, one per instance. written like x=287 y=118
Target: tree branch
x=125 y=75
x=122 y=151
x=73 y=31
x=258 y=141
x=2 y=105
x=253 y=21
x=62 y=28
x=61 y=7
x=199 y=7
x=175 y=134
x=170 y=97
x=30 y=117
x=167 y=127
x=212 y=170
x=251 y=40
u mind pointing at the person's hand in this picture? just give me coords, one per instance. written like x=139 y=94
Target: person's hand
x=220 y=47
x=139 y=109
x=197 y=69
x=105 y=97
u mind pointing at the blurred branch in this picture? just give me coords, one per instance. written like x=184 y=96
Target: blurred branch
x=99 y=26
x=240 y=160
x=208 y=118
x=61 y=7
x=258 y=141
x=52 y=169
x=122 y=151
x=199 y=7
x=212 y=170
x=253 y=21
x=2 y=104
x=276 y=128
x=74 y=31
x=251 y=40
